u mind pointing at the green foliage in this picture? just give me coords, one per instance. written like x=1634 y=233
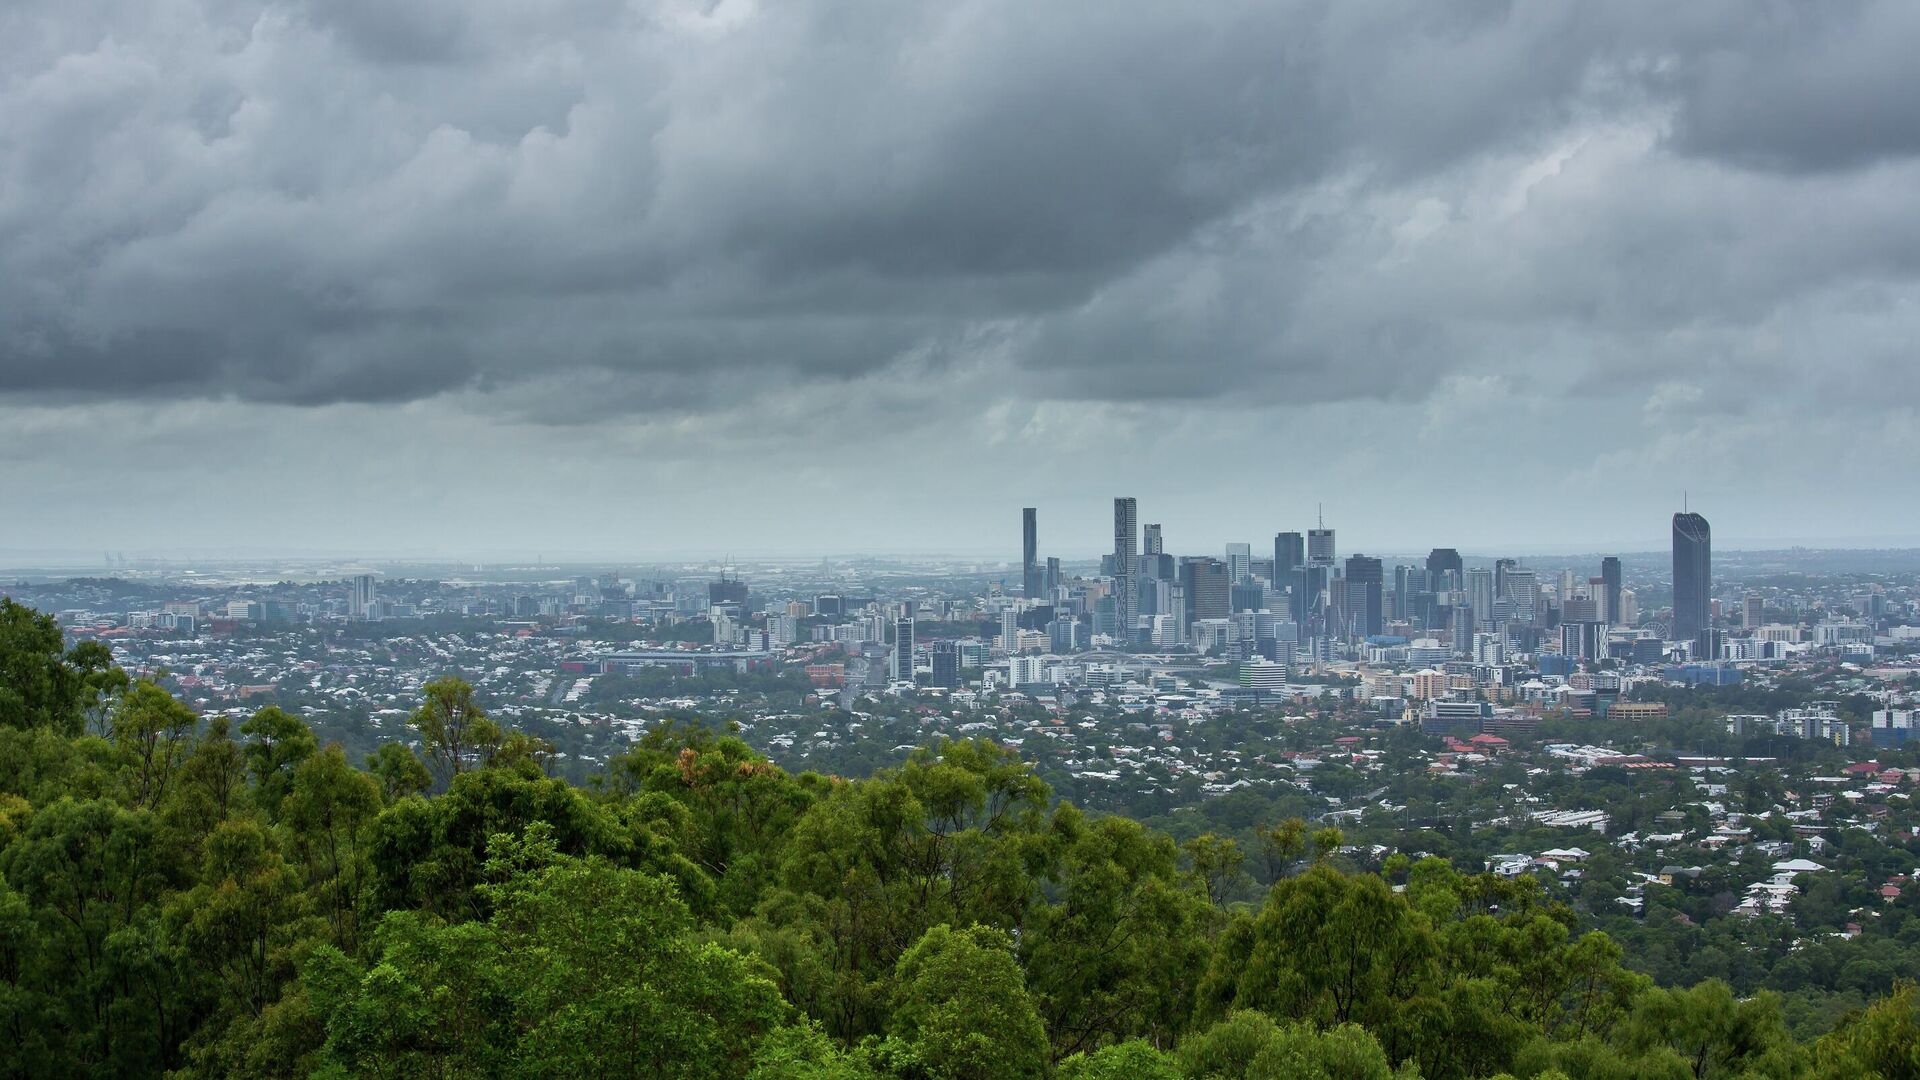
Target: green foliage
x=277 y=743
x=1135 y=1059
x=176 y=899
x=399 y=770
x=1882 y=1041
x=41 y=686
x=583 y=969
x=1252 y=1046
x=963 y=1010
x=455 y=733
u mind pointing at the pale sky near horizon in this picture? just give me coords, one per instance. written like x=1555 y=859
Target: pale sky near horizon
x=477 y=278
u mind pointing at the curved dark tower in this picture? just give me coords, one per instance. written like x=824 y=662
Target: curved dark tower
x=1692 y=579
x=1030 y=553
x=1126 y=564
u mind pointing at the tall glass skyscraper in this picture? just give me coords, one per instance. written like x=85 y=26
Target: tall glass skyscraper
x=1126 y=564
x=1364 y=612
x=1692 y=580
x=1029 y=553
x=1289 y=553
x=1610 y=589
x=1290 y=571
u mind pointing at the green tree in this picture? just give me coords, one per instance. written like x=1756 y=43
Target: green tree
x=1133 y=1060
x=329 y=816
x=277 y=743
x=1118 y=950
x=583 y=969
x=90 y=872
x=399 y=770
x=1251 y=1046
x=1217 y=862
x=963 y=1009
x=455 y=733
x=1881 y=1042
x=152 y=730
x=39 y=688
x=243 y=918
x=1714 y=1033
x=213 y=778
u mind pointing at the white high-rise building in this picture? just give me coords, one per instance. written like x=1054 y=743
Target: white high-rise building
x=1480 y=595
x=1239 y=563
x=1523 y=595
x=901 y=659
x=360 y=597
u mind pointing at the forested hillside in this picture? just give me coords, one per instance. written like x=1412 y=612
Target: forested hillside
x=179 y=897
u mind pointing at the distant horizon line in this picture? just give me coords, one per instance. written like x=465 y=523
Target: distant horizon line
x=26 y=559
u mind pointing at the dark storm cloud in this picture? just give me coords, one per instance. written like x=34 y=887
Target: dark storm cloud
x=1804 y=87
x=572 y=209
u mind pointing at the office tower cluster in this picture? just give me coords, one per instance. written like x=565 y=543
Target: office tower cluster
x=1309 y=601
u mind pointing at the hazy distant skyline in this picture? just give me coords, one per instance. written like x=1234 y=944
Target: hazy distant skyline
x=14 y=559
x=480 y=278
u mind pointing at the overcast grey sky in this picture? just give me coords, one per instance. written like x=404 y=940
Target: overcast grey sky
x=476 y=277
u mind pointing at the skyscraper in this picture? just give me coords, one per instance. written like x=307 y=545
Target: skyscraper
x=1610 y=589
x=1320 y=547
x=1692 y=578
x=360 y=596
x=727 y=591
x=1319 y=576
x=902 y=658
x=1290 y=571
x=1154 y=545
x=1363 y=596
x=1442 y=562
x=1126 y=564
x=1204 y=582
x=1289 y=553
x=1239 y=562
x=946 y=663
x=1501 y=568
x=1480 y=595
x=1523 y=595
x=1030 y=583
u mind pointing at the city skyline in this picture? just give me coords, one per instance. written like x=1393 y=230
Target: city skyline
x=508 y=557
x=1076 y=549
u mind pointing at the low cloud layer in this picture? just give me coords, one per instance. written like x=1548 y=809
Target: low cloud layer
x=765 y=229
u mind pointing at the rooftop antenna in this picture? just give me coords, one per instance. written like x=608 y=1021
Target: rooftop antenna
x=1320 y=510
x=1684 y=508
